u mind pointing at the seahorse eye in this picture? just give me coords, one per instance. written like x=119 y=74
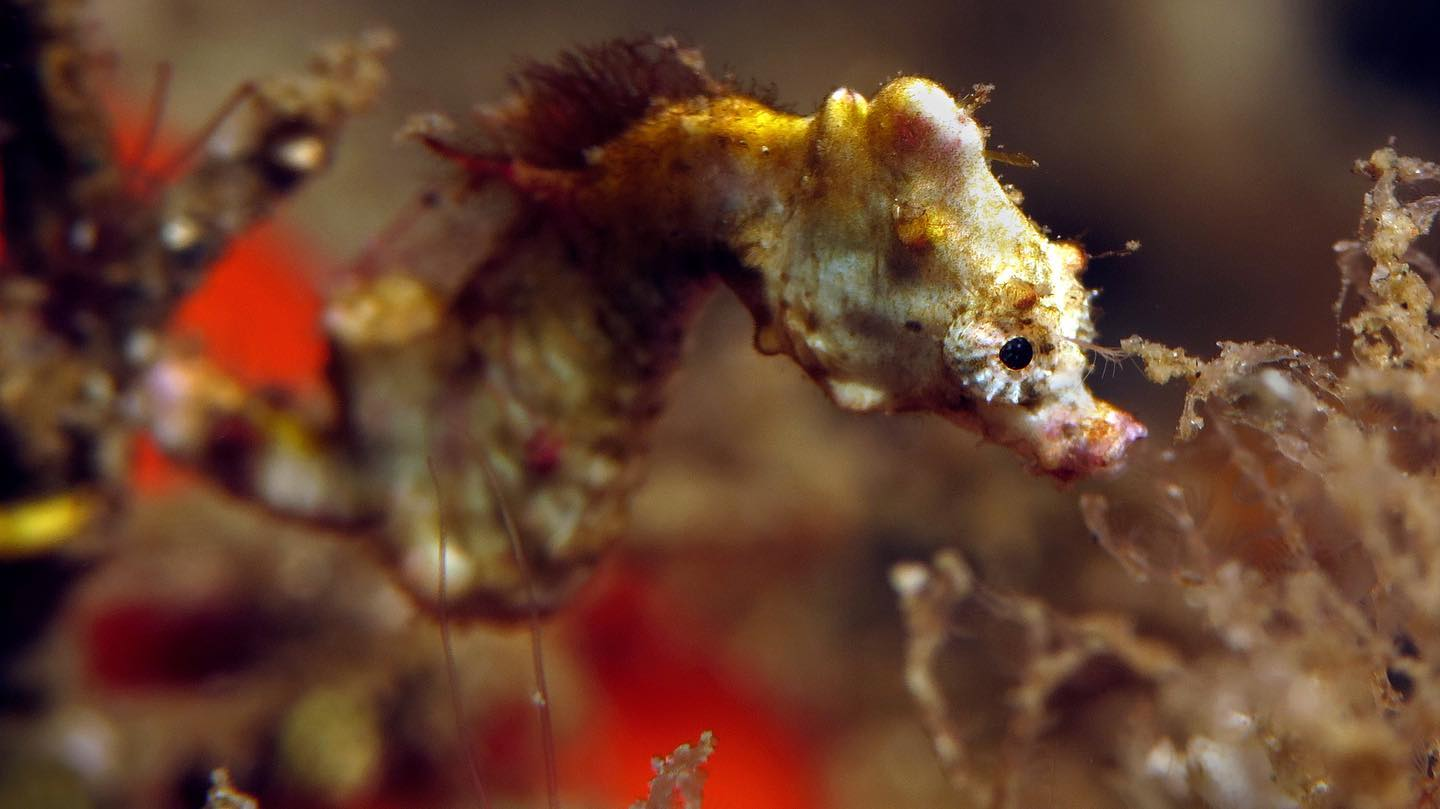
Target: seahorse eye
x=1016 y=353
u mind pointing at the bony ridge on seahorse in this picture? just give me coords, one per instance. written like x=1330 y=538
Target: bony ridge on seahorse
x=870 y=241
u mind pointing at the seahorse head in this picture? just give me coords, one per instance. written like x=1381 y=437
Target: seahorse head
x=910 y=279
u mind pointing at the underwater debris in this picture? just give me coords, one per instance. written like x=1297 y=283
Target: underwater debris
x=1302 y=519
x=928 y=596
x=679 y=781
x=224 y=795
x=96 y=263
x=1059 y=654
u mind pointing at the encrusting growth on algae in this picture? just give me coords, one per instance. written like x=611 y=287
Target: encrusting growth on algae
x=870 y=241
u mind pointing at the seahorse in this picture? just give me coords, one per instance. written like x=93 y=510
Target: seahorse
x=870 y=241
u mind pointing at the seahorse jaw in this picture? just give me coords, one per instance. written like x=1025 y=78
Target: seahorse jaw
x=1067 y=441
x=1091 y=445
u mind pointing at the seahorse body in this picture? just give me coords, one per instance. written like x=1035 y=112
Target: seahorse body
x=870 y=240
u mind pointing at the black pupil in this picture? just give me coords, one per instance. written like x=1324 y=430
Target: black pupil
x=1016 y=353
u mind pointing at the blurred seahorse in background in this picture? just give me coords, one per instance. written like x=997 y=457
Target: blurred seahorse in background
x=595 y=209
